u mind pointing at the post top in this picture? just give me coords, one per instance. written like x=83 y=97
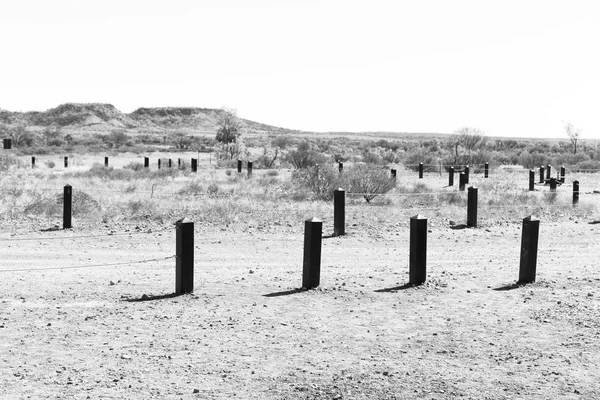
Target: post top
x=340 y=190
x=472 y=187
x=418 y=216
x=313 y=219
x=184 y=220
x=531 y=218
x=67 y=185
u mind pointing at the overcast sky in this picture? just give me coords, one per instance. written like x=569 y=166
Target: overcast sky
x=510 y=68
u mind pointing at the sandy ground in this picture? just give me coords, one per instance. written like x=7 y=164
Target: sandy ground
x=112 y=331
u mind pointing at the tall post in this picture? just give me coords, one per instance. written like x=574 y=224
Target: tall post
x=311 y=268
x=239 y=166
x=106 y=162
x=67 y=206
x=466 y=174
x=418 y=250
x=542 y=173
x=529 y=247
x=184 y=264
x=548 y=171
x=393 y=172
x=339 y=212
x=159 y=163
x=553 y=184
x=486 y=170
x=341 y=167
x=249 y=169
x=472 y=207
x=462 y=181
x=562 y=174
x=531 y=180
x=451 y=176
x=420 y=170
x=32 y=162
x=575 y=192
x=194 y=165
x=146 y=162
x=66 y=162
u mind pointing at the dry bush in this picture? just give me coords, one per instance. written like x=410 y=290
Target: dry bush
x=368 y=180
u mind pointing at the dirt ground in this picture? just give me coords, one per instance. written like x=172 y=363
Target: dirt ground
x=110 y=330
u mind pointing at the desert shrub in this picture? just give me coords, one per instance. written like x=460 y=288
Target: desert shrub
x=192 y=188
x=414 y=156
x=369 y=180
x=213 y=189
x=321 y=181
x=273 y=172
x=228 y=172
x=50 y=164
x=134 y=166
x=592 y=165
x=83 y=203
x=304 y=157
x=100 y=171
x=7 y=161
x=371 y=158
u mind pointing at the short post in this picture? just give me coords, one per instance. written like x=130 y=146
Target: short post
x=146 y=162
x=420 y=170
x=32 y=162
x=562 y=174
x=311 y=269
x=184 y=264
x=194 y=165
x=529 y=246
x=575 y=192
x=170 y=163
x=393 y=172
x=106 y=162
x=7 y=144
x=553 y=184
x=542 y=173
x=159 y=163
x=179 y=163
x=462 y=178
x=66 y=162
x=548 y=171
x=249 y=169
x=531 y=180
x=486 y=170
x=451 y=176
x=67 y=206
x=339 y=212
x=418 y=250
x=472 y=207
x=341 y=167
x=466 y=174
x=239 y=166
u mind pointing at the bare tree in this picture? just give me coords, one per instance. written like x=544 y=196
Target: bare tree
x=465 y=139
x=573 y=133
x=229 y=129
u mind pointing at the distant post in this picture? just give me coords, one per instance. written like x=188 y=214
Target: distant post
x=239 y=166
x=66 y=162
x=462 y=181
x=7 y=144
x=146 y=162
x=531 y=180
x=542 y=173
x=170 y=163
x=311 y=269
x=562 y=174
x=393 y=172
x=548 y=171
x=341 y=167
x=339 y=212
x=466 y=174
x=553 y=184
x=159 y=163
x=486 y=170
x=32 y=162
x=106 y=162
x=67 y=206
x=184 y=264
x=194 y=165
x=249 y=169
x=529 y=247
x=472 y=207
x=420 y=170
x=418 y=250
x=451 y=176
x=575 y=192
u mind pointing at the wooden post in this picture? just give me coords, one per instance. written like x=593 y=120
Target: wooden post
x=486 y=172
x=466 y=174
x=66 y=162
x=529 y=246
x=159 y=163
x=548 y=171
x=106 y=162
x=451 y=176
x=32 y=162
x=7 y=144
x=472 y=207
x=531 y=180
x=393 y=172
x=562 y=174
x=170 y=163
x=339 y=212
x=239 y=166
x=420 y=170
x=146 y=162
x=552 y=184
x=542 y=173
x=179 y=163
x=575 y=192
x=311 y=269
x=341 y=167
x=184 y=264
x=418 y=250
x=462 y=178
x=249 y=169
x=67 y=206
x=194 y=165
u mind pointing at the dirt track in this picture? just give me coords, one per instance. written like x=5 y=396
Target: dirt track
x=245 y=333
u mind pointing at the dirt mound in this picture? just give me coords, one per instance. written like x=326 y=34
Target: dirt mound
x=169 y=117
x=83 y=115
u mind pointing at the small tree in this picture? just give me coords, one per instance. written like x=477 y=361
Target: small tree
x=118 y=138
x=369 y=180
x=573 y=134
x=464 y=142
x=229 y=129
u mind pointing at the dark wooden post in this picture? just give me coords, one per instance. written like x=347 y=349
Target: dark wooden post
x=239 y=166
x=548 y=171
x=451 y=176
x=159 y=163
x=311 y=269
x=194 y=165
x=66 y=162
x=393 y=172
x=486 y=170
x=529 y=246
x=339 y=212
x=562 y=174
x=32 y=162
x=575 y=192
x=170 y=163
x=542 y=173
x=552 y=184
x=106 y=162
x=7 y=144
x=184 y=264
x=466 y=174
x=179 y=163
x=462 y=178
x=146 y=162
x=67 y=206
x=420 y=170
x=341 y=167
x=531 y=180
x=472 y=207
x=418 y=250
x=249 y=169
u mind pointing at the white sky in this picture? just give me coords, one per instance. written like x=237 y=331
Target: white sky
x=510 y=68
